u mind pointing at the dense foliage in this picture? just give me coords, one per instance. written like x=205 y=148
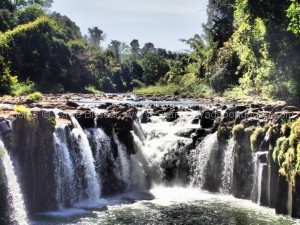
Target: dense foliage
x=47 y=52
x=253 y=45
x=248 y=48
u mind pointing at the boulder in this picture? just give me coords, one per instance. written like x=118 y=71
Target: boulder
x=172 y=116
x=145 y=117
x=86 y=119
x=207 y=118
x=199 y=135
x=240 y=108
x=196 y=120
x=186 y=132
x=72 y=104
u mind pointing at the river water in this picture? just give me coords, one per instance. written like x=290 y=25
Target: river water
x=171 y=206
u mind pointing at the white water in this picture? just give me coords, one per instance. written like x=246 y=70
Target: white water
x=259 y=180
x=227 y=172
x=160 y=138
x=87 y=161
x=139 y=167
x=124 y=162
x=65 y=172
x=17 y=210
x=200 y=158
x=257 y=177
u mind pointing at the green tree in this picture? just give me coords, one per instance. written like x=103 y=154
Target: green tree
x=154 y=67
x=293 y=13
x=148 y=48
x=96 y=36
x=29 y=14
x=114 y=46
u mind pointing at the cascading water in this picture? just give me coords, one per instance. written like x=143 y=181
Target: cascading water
x=93 y=190
x=17 y=209
x=258 y=176
x=138 y=130
x=161 y=138
x=139 y=167
x=124 y=162
x=64 y=171
x=201 y=156
x=228 y=168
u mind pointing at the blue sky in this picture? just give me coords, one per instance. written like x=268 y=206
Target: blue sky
x=162 y=22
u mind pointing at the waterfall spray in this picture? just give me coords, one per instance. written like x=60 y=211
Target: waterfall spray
x=93 y=191
x=17 y=210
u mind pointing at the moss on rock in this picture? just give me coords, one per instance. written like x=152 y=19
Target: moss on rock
x=257 y=137
x=224 y=133
x=287 y=151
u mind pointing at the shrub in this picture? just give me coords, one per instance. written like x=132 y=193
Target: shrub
x=21 y=109
x=137 y=84
x=92 y=90
x=36 y=96
x=23 y=88
x=157 y=89
x=52 y=122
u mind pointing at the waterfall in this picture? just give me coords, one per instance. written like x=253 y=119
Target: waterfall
x=17 y=210
x=64 y=171
x=102 y=145
x=139 y=166
x=93 y=190
x=200 y=157
x=161 y=138
x=138 y=130
x=227 y=172
x=258 y=177
x=255 y=178
x=124 y=162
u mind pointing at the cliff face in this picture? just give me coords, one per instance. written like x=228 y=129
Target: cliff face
x=30 y=140
x=31 y=143
x=268 y=138
x=266 y=142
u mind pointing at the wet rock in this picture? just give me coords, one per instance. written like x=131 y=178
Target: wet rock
x=172 y=116
x=290 y=109
x=145 y=117
x=229 y=115
x=282 y=196
x=104 y=106
x=224 y=107
x=186 y=132
x=199 y=135
x=240 y=108
x=86 y=119
x=250 y=122
x=33 y=149
x=106 y=123
x=158 y=111
x=256 y=106
x=195 y=107
x=207 y=118
x=175 y=164
x=196 y=120
x=72 y=104
x=127 y=139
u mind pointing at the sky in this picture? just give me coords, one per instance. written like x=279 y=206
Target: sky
x=162 y=22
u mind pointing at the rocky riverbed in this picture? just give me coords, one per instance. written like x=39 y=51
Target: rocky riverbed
x=264 y=156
